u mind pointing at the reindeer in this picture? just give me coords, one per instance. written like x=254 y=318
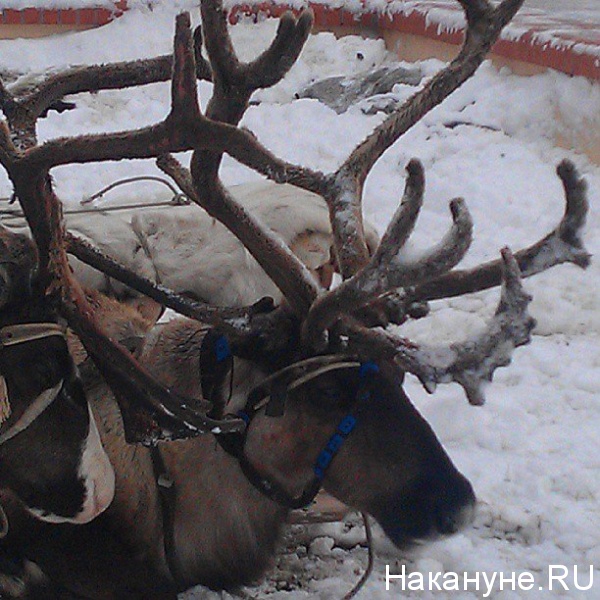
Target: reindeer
x=43 y=404
x=291 y=397
x=158 y=241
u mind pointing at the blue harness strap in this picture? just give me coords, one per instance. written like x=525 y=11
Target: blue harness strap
x=221 y=348
x=347 y=424
x=335 y=442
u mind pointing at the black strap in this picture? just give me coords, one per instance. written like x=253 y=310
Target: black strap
x=274 y=491
x=167 y=498
x=216 y=361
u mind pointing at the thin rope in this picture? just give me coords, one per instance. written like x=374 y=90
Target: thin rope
x=17 y=214
x=361 y=582
x=179 y=199
x=177 y=195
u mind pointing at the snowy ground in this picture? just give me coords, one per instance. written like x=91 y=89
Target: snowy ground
x=533 y=452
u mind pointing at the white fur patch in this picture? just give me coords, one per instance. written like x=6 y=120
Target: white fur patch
x=99 y=480
x=97 y=472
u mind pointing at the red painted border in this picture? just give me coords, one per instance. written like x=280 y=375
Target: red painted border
x=93 y=17
x=559 y=54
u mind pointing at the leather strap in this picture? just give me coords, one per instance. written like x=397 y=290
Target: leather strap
x=32 y=412
x=11 y=335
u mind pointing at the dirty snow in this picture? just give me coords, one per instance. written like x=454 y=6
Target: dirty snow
x=533 y=452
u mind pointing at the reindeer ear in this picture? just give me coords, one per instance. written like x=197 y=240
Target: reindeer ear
x=5 y=409
x=18 y=265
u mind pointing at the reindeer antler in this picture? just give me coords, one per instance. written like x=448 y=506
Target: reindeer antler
x=386 y=270
x=471 y=363
x=164 y=415
x=365 y=279
x=234 y=83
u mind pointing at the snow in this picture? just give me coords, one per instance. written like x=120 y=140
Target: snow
x=533 y=451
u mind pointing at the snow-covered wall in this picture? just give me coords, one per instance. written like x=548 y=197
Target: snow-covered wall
x=567 y=40
x=55 y=4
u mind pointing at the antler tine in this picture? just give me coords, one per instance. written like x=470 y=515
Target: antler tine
x=386 y=270
x=477 y=359
x=264 y=71
x=271 y=66
x=200 y=311
x=8 y=152
x=484 y=26
x=577 y=207
x=100 y=77
x=244 y=326
x=234 y=83
x=184 y=97
x=279 y=262
x=564 y=244
x=471 y=363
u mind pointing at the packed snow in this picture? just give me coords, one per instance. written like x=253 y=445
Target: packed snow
x=533 y=451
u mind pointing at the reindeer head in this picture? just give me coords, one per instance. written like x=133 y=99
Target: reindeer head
x=351 y=428
x=50 y=452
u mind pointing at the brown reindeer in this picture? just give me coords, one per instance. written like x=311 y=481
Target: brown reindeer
x=295 y=397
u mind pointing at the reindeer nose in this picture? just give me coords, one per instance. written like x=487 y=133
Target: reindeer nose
x=456 y=509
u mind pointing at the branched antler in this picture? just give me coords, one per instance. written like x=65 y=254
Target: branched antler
x=23 y=107
x=563 y=244
x=472 y=363
x=484 y=26
x=386 y=270
x=157 y=412
x=234 y=83
x=343 y=189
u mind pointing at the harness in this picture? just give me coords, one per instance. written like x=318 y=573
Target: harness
x=12 y=335
x=271 y=394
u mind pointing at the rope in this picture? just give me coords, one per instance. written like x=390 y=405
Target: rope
x=178 y=199
x=361 y=582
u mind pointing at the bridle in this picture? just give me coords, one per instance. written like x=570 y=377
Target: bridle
x=270 y=394
x=12 y=335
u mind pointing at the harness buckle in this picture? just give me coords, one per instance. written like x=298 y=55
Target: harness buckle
x=164 y=481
